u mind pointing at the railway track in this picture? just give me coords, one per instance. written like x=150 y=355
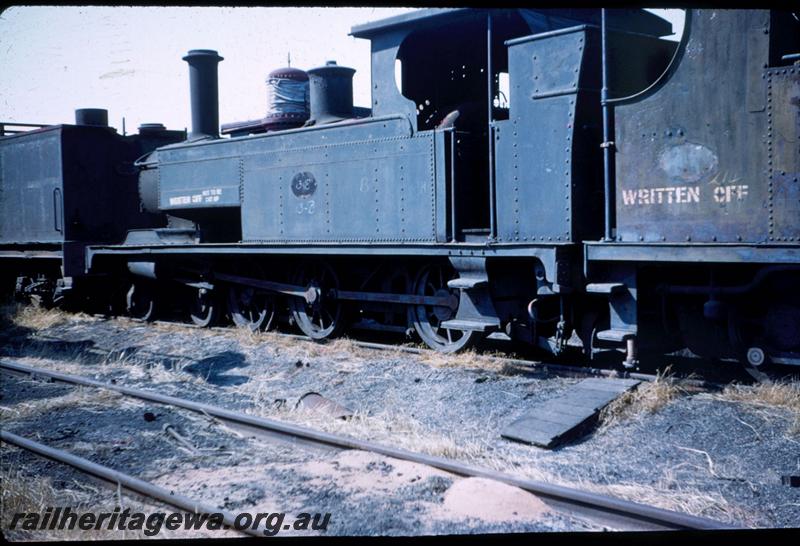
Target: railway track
x=609 y=511
x=127 y=481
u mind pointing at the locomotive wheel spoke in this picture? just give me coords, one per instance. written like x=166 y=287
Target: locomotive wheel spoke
x=321 y=319
x=140 y=301
x=203 y=310
x=250 y=308
x=427 y=319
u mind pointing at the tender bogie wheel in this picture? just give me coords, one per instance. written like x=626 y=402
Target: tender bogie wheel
x=203 y=309
x=251 y=308
x=757 y=364
x=427 y=319
x=140 y=301
x=321 y=318
x=751 y=353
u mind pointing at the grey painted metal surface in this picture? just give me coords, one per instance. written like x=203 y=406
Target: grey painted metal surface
x=330 y=93
x=31 y=182
x=91 y=116
x=204 y=92
x=629 y=19
x=71 y=185
x=541 y=192
x=692 y=253
x=697 y=156
x=358 y=189
x=210 y=174
x=558 y=260
x=366 y=181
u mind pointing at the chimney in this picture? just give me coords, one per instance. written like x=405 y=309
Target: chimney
x=331 y=93
x=91 y=116
x=204 y=92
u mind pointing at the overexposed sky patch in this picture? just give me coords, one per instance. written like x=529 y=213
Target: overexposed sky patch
x=128 y=59
x=56 y=59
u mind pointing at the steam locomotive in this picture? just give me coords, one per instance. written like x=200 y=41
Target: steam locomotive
x=624 y=195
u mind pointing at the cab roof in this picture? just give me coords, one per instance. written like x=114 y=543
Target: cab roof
x=635 y=20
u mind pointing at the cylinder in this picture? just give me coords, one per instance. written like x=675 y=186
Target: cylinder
x=203 y=88
x=91 y=116
x=331 y=93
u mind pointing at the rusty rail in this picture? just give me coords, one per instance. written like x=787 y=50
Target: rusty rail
x=123 y=480
x=616 y=512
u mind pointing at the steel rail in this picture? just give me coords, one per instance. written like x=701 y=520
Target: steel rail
x=627 y=514
x=124 y=480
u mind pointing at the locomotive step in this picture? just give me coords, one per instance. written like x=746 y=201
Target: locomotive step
x=467 y=282
x=470 y=325
x=617 y=336
x=566 y=417
x=604 y=287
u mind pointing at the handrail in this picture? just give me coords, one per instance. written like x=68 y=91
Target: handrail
x=4 y=131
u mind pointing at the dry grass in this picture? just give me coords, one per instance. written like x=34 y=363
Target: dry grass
x=647 y=398
x=769 y=394
x=775 y=394
x=86 y=398
x=670 y=492
x=155 y=372
x=391 y=427
x=39 y=352
x=387 y=427
x=37 y=318
x=686 y=499
x=73 y=360
x=34 y=494
x=469 y=359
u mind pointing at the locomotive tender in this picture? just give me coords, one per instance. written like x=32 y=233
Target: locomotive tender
x=629 y=195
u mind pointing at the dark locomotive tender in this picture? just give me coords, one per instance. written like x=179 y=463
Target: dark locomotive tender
x=562 y=215
x=62 y=188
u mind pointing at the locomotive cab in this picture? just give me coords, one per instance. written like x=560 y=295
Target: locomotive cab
x=449 y=70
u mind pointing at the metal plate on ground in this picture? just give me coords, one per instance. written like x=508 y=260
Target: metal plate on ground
x=563 y=418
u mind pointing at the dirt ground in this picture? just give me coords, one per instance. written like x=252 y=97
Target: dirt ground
x=713 y=453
